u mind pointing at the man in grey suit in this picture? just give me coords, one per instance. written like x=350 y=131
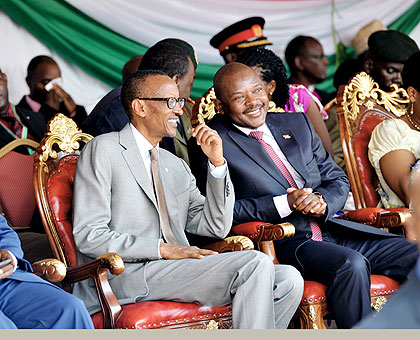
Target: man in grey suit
x=116 y=210
x=403 y=309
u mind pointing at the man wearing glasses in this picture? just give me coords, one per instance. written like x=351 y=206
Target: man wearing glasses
x=136 y=199
x=308 y=64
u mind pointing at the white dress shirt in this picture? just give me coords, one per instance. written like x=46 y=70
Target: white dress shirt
x=280 y=202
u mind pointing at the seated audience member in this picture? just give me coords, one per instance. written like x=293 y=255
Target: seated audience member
x=15 y=122
x=388 y=51
x=397 y=141
x=172 y=56
x=27 y=301
x=49 y=99
x=403 y=308
x=281 y=173
x=308 y=64
x=136 y=199
x=295 y=98
x=240 y=36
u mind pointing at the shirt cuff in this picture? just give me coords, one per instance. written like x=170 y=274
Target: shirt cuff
x=14 y=260
x=282 y=205
x=159 y=242
x=218 y=171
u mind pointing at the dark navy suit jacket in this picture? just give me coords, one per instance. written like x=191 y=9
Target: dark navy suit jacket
x=257 y=180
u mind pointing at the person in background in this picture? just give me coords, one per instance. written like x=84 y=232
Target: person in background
x=388 y=51
x=15 y=122
x=46 y=93
x=397 y=141
x=238 y=37
x=308 y=65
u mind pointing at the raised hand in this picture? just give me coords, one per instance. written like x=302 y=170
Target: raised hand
x=210 y=143
x=65 y=97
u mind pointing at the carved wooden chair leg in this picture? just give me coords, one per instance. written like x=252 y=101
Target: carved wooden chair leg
x=311 y=316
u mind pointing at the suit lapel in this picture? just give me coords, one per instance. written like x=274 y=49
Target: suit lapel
x=257 y=154
x=135 y=163
x=289 y=146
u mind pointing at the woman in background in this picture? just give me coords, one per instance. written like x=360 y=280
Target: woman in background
x=394 y=147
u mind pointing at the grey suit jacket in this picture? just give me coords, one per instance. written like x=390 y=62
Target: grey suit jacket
x=115 y=210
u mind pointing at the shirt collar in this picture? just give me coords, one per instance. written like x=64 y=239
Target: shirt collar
x=264 y=128
x=143 y=144
x=35 y=106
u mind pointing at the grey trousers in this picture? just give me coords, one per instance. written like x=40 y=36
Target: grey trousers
x=263 y=295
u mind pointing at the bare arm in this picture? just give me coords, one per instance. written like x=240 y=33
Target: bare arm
x=395 y=167
x=320 y=127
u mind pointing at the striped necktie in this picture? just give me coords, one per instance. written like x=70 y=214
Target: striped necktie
x=258 y=135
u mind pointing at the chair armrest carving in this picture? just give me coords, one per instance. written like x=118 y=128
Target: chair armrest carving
x=110 y=261
x=232 y=243
x=365 y=215
x=52 y=270
x=260 y=232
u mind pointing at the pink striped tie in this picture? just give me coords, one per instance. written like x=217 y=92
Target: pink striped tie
x=258 y=135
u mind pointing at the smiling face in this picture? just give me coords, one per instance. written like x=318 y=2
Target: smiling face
x=243 y=96
x=153 y=118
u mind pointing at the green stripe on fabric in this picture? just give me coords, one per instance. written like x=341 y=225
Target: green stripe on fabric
x=102 y=52
x=75 y=36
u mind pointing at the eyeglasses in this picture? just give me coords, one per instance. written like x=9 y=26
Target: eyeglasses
x=170 y=102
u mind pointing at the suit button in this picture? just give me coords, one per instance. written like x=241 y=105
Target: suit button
x=308 y=235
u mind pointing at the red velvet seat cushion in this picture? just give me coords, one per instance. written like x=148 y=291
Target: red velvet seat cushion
x=380 y=285
x=156 y=314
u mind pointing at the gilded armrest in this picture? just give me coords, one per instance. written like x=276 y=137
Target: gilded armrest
x=263 y=235
x=260 y=231
x=232 y=243
x=52 y=270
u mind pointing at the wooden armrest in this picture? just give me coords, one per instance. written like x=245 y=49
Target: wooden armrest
x=393 y=218
x=52 y=270
x=232 y=243
x=365 y=215
x=260 y=231
x=110 y=261
x=263 y=235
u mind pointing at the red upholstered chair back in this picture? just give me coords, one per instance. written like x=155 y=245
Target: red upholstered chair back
x=54 y=170
x=361 y=105
x=17 y=197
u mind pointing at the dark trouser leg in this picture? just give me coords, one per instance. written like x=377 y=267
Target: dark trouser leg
x=345 y=272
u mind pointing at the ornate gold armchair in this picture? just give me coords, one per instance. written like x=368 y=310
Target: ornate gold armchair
x=361 y=105
x=54 y=169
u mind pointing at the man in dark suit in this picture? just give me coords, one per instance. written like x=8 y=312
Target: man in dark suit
x=281 y=173
x=15 y=122
x=27 y=301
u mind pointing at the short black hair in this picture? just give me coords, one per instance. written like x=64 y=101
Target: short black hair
x=166 y=57
x=38 y=60
x=132 y=87
x=411 y=72
x=296 y=47
x=272 y=69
